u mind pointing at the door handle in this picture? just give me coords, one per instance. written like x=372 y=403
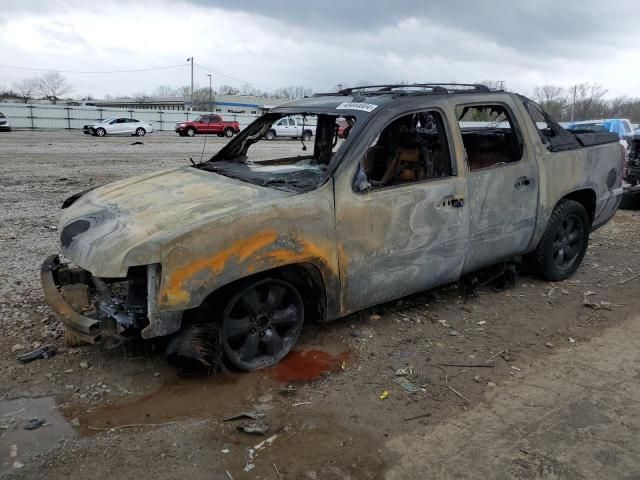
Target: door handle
x=523 y=182
x=453 y=202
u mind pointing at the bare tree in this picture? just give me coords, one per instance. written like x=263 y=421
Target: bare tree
x=141 y=97
x=228 y=90
x=589 y=103
x=26 y=89
x=52 y=85
x=552 y=99
x=292 y=92
x=164 y=91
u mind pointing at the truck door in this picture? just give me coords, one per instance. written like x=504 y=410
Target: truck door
x=401 y=219
x=217 y=125
x=502 y=184
x=283 y=128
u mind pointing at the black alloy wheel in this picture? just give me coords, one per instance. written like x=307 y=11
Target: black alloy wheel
x=261 y=324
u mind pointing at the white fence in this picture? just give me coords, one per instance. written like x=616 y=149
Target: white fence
x=37 y=116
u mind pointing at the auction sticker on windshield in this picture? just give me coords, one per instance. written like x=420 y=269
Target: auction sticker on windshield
x=365 y=107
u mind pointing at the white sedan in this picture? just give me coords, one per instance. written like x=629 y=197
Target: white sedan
x=118 y=126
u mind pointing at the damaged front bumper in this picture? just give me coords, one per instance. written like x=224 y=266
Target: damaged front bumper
x=93 y=308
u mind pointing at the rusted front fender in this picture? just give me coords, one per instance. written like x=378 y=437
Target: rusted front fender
x=82 y=327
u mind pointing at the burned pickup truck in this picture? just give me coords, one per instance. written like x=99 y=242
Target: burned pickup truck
x=429 y=182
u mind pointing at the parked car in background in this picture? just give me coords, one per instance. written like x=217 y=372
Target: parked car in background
x=5 y=126
x=245 y=250
x=118 y=126
x=620 y=126
x=291 y=127
x=209 y=124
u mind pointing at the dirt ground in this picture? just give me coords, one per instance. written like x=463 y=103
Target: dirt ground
x=558 y=399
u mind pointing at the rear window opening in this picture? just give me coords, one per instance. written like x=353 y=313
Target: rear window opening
x=294 y=154
x=489 y=135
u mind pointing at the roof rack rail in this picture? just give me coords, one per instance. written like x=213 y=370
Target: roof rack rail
x=422 y=88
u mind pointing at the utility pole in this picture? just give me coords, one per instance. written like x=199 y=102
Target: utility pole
x=573 y=105
x=339 y=86
x=190 y=59
x=210 y=91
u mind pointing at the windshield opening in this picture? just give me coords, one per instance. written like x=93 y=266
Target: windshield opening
x=290 y=152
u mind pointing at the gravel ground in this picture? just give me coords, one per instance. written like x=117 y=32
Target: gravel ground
x=559 y=402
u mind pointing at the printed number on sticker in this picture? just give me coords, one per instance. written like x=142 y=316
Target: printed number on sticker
x=365 y=107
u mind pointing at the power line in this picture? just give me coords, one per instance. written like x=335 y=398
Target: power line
x=93 y=72
x=233 y=78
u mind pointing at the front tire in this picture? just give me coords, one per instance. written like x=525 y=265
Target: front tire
x=564 y=243
x=101 y=132
x=270 y=135
x=140 y=132
x=191 y=132
x=228 y=132
x=261 y=324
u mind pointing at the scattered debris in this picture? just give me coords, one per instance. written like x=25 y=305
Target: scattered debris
x=375 y=317
x=34 y=424
x=229 y=476
x=572 y=340
x=549 y=344
x=17 y=347
x=46 y=351
x=424 y=415
x=491 y=384
x=477 y=379
x=132 y=425
x=84 y=364
x=300 y=403
x=513 y=367
x=406 y=384
x=17 y=464
x=383 y=395
x=156 y=374
x=446 y=382
x=482 y=322
x=74 y=422
x=403 y=372
x=280 y=477
x=468 y=365
x=622 y=282
x=266 y=443
x=243 y=415
x=258 y=428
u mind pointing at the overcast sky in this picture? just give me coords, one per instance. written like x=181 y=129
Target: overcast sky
x=319 y=44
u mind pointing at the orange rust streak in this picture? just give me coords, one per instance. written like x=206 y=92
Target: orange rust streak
x=241 y=249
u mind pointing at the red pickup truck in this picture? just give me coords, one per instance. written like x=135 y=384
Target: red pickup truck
x=208 y=124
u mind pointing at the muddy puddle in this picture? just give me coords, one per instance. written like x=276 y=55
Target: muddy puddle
x=17 y=444
x=217 y=396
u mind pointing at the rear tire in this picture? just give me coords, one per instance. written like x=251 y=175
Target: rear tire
x=564 y=243
x=306 y=136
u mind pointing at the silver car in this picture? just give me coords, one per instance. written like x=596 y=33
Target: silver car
x=4 y=123
x=118 y=126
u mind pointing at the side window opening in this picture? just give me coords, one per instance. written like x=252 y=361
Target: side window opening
x=410 y=149
x=489 y=135
x=551 y=134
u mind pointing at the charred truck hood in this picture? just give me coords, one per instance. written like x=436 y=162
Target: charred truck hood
x=127 y=223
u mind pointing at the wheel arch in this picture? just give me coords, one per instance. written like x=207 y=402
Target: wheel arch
x=586 y=197
x=305 y=276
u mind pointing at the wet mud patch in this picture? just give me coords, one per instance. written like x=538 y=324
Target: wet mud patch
x=218 y=396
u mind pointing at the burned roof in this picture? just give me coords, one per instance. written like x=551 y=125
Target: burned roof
x=368 y=97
